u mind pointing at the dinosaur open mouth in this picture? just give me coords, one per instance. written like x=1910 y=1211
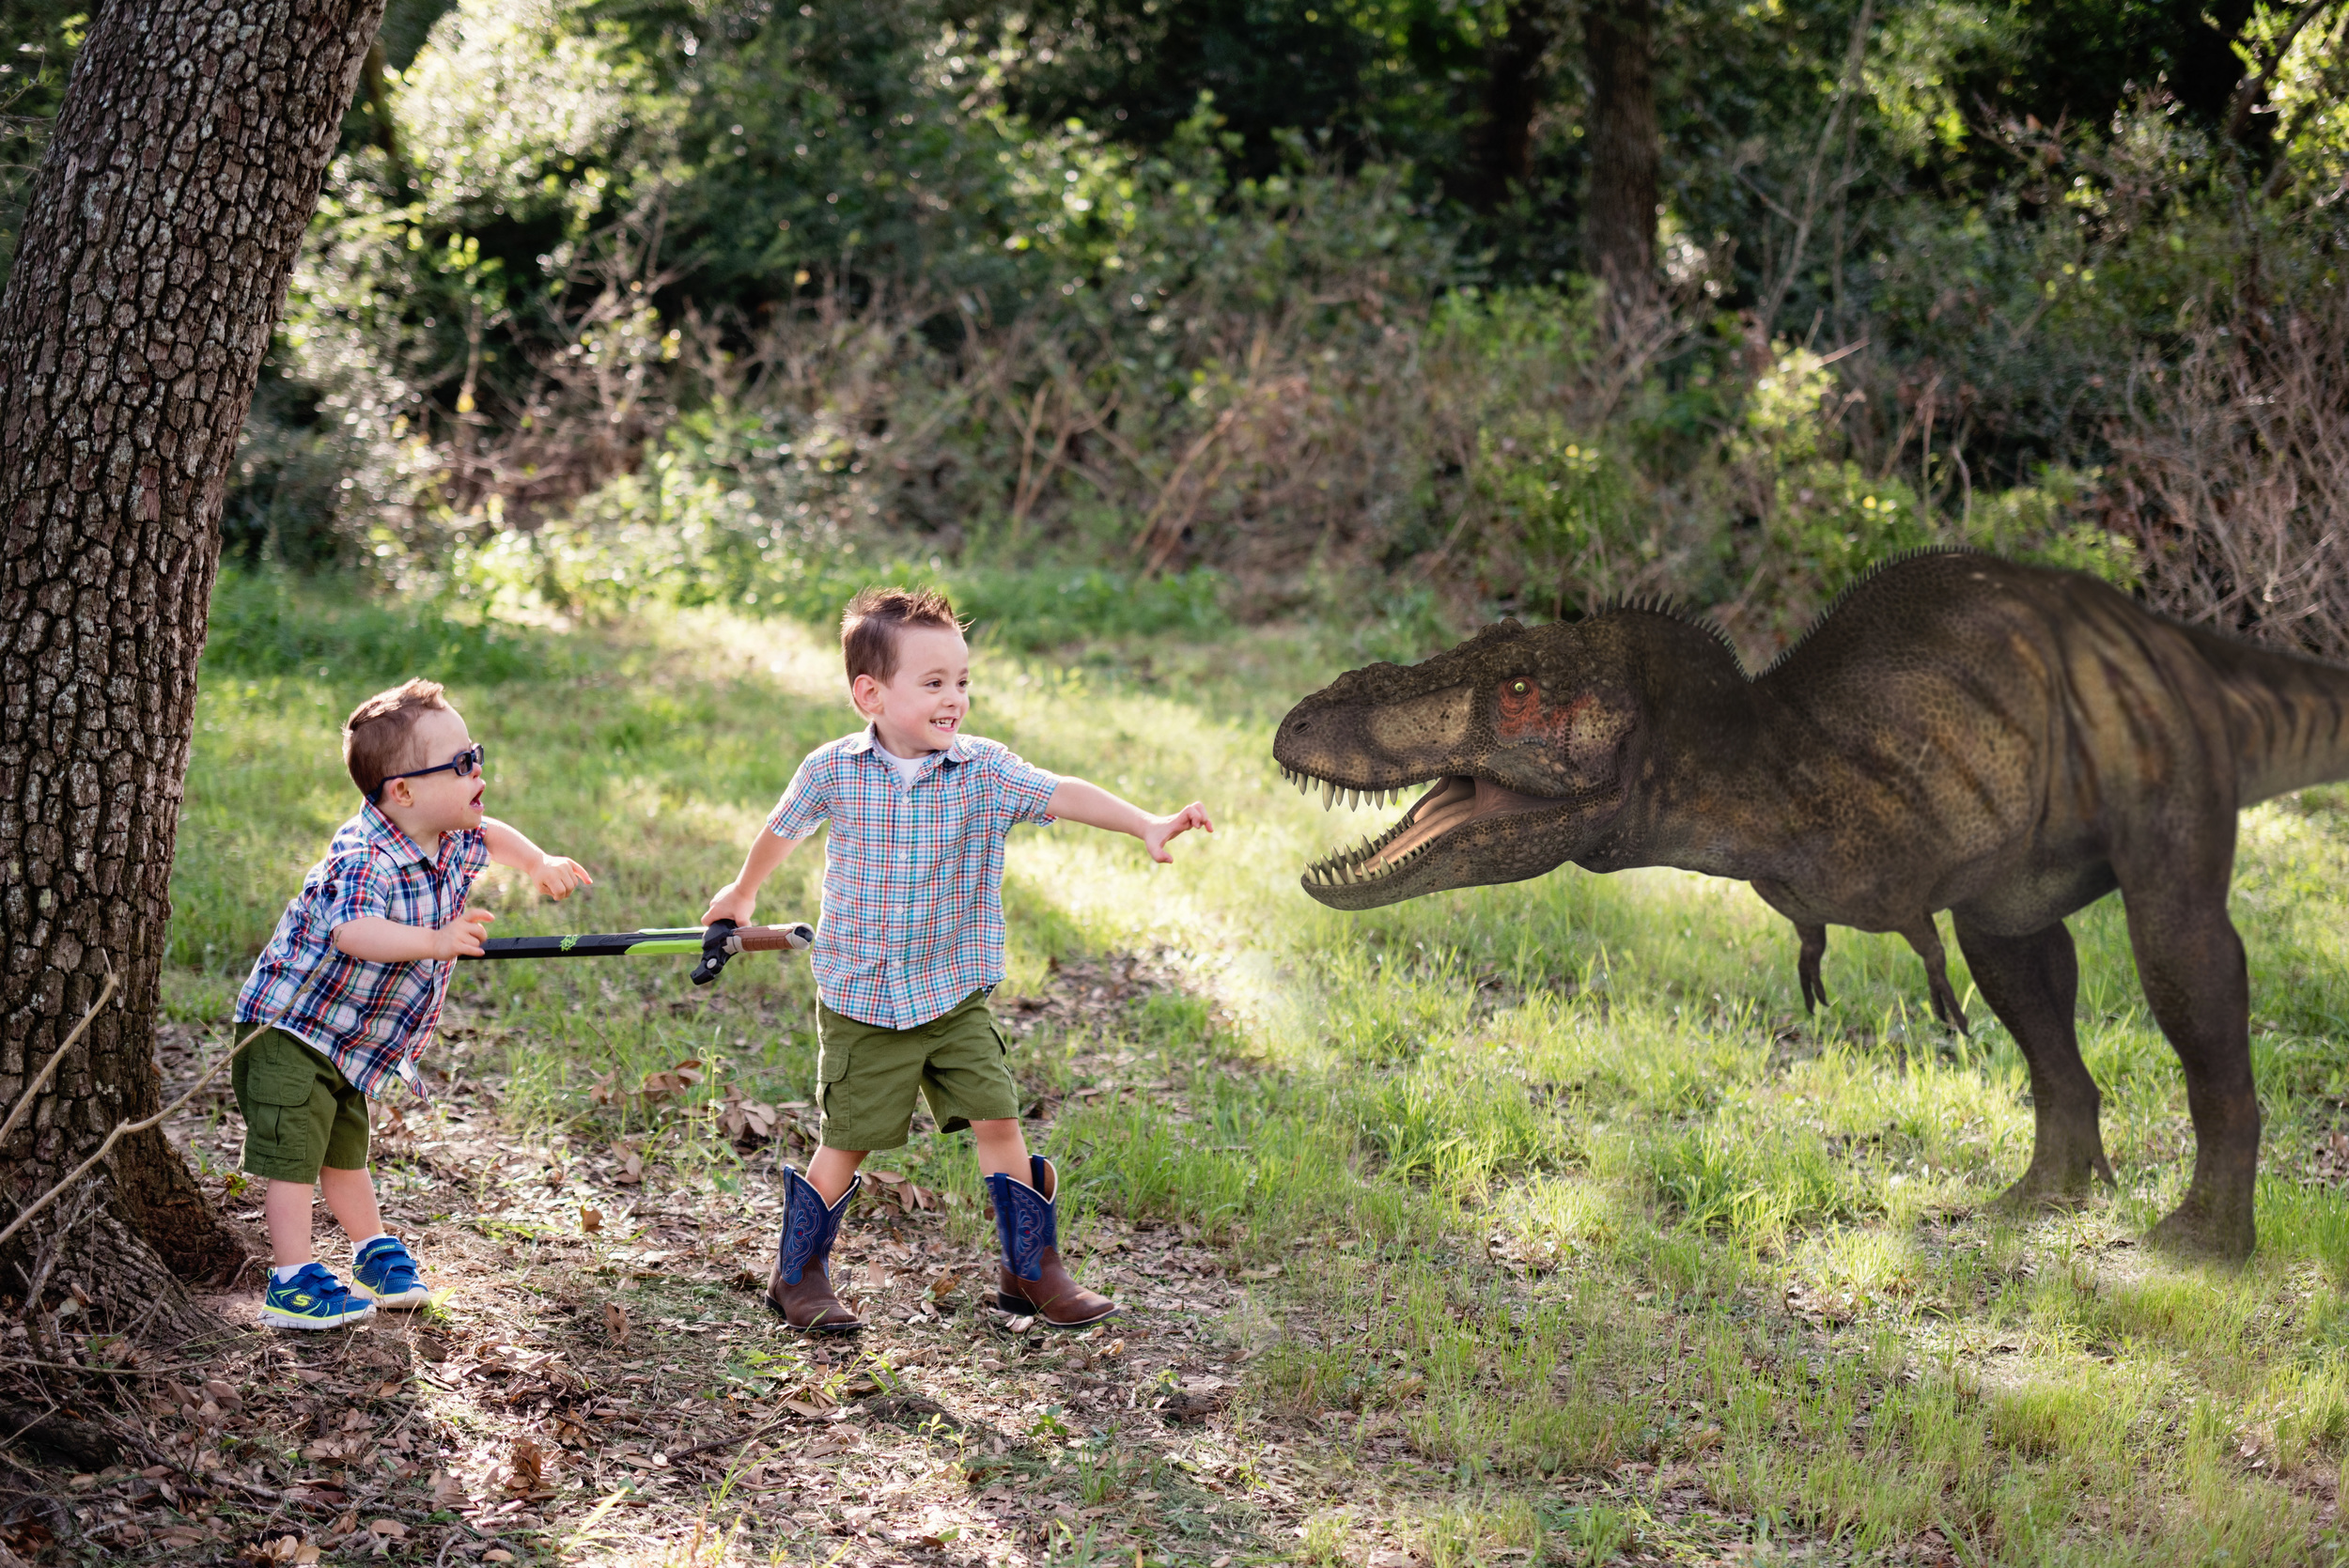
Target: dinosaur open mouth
x=1454 y=802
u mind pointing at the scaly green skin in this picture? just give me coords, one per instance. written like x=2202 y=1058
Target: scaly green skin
x=2006 y=742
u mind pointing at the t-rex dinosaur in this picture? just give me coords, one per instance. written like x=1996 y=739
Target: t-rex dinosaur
x=1958 y=731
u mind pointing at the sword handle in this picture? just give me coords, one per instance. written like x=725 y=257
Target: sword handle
x=770 y=939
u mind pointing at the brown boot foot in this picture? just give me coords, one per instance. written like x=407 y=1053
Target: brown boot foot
x=1056 y=1298
x=810 y=1304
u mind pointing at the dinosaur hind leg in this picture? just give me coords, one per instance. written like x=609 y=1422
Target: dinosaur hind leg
x=2190 y=962
x=1926 y=939
x=1807 y=965
x=2031 y=984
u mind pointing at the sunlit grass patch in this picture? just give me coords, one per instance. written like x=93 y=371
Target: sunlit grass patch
x=1553 y=1190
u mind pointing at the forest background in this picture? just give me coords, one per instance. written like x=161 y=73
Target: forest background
x=1140 y=325
x=1123 y=315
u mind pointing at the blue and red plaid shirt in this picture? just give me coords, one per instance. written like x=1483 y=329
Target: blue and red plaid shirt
x=913 y=873
x=371 y=1020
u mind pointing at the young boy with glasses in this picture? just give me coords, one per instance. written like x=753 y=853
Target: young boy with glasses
x=352 y=984
x=911 y=944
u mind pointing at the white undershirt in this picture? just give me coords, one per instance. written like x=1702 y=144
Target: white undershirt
x=908 y=767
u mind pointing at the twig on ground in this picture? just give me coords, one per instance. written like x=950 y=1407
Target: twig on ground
x=25 y=1215
x=99 y=1372
x=729 y=1442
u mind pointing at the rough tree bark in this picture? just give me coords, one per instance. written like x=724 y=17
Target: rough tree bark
x=185 y=162
x=1502 y=149
x=1626 y=146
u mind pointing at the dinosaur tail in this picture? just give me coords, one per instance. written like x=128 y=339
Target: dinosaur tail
x=2290 y=716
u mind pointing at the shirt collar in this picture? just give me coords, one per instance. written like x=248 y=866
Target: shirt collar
x=384 y=834
x=866 y=741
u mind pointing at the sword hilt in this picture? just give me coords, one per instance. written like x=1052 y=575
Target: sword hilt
x=723 y=939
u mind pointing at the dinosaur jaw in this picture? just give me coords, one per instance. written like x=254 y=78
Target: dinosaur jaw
x=1420 y=853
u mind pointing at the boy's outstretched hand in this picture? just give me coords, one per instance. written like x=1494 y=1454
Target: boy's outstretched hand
x=558 y=876
x=1159 y=830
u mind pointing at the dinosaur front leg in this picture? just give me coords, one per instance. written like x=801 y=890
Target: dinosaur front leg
x=2190 y=962
x=1926 y=939
x=1814 y=939
x=2031 y=982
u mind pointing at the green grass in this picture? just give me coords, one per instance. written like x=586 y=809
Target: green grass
x=1581 y=1186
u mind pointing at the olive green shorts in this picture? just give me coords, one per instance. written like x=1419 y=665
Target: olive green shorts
x=868 y=1075
x=299 y=1111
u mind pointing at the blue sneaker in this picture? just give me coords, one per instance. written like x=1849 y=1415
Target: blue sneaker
x=312 y=1298
x=384 y=1270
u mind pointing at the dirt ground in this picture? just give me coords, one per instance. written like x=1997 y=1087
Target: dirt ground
x=600 y=1378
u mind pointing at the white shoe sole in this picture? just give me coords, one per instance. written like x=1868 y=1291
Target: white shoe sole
x=419 y=1296
x=278 y=1318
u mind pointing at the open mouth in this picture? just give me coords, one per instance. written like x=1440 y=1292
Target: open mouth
x=1454 y=802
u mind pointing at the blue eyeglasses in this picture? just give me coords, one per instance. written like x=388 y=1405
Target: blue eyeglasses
x=465 y=764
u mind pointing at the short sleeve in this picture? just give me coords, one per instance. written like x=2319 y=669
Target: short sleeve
x=354 y=888
x=473 y=854
x=1024 y=791
x=806 y=801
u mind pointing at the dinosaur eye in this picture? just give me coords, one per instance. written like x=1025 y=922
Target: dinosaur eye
x=1517 y=686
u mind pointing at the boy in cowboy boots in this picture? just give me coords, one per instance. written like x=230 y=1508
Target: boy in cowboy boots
x=912 y=942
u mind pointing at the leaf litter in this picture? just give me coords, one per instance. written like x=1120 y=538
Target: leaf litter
x=597 y=1378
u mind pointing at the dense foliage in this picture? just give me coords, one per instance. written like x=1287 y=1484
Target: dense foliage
x=1287 y=303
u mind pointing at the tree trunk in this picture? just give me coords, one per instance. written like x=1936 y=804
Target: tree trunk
x=1504 y=144
x=1626 y=147
x=184 y=164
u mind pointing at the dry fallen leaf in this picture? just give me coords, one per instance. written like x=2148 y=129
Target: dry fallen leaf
x=390 y=1528
x=591 y=1221
x=448 y=1491
x=631 y=1165
x=615 y=1323
x=529 y=1461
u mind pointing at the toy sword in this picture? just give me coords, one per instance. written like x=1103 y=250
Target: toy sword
x=716 y=944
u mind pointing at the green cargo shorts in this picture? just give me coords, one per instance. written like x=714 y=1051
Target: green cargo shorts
x=866 y=1076
x=299 y=1111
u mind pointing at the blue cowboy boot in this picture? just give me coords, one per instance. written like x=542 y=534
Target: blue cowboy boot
x=800 y=1289
x=1032 y=1279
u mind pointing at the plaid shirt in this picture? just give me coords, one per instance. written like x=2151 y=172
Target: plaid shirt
x=913 y=873
x=371 y=1020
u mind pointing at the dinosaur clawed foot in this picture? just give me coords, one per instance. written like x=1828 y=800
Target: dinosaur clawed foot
x=1926 y=939
x=2056 y=1184
x=2202 y=1233
x=1945 y=1002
